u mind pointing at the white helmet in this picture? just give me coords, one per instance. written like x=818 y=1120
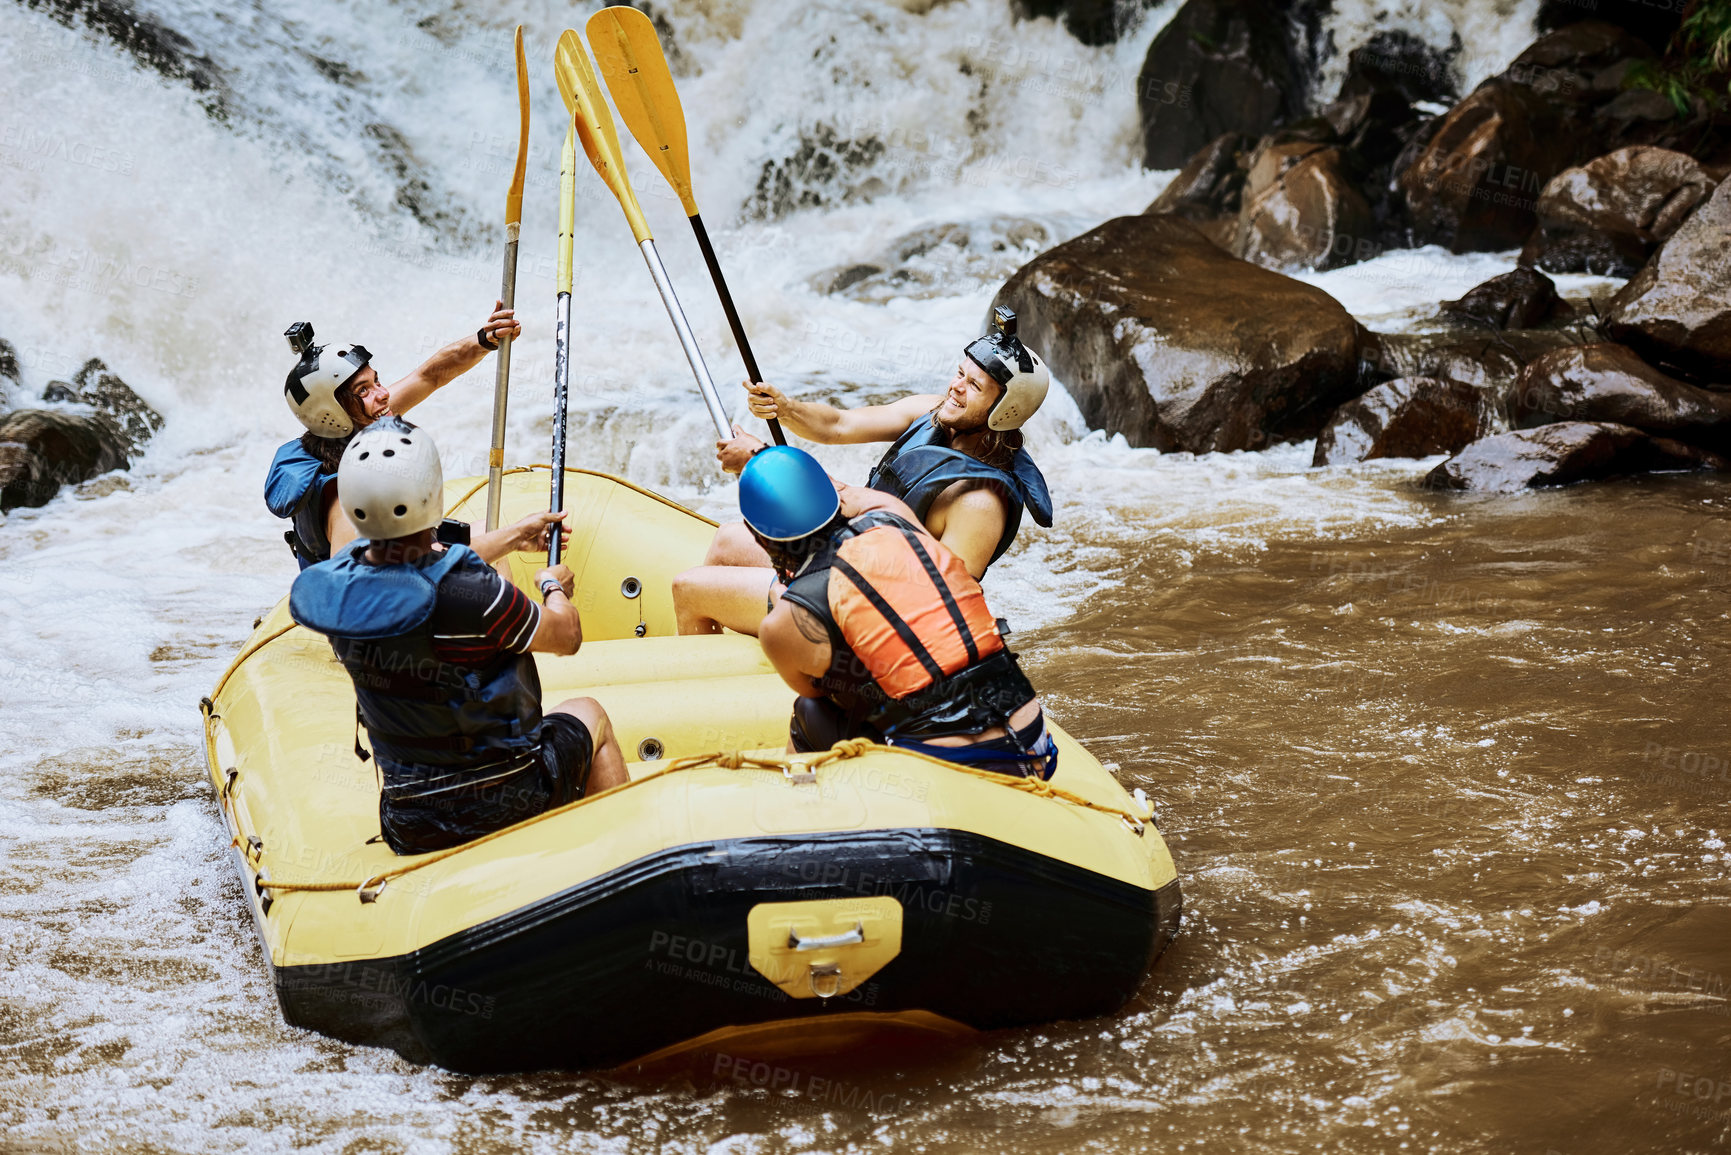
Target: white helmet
x=390 y=482
x=312 y=385
x=1014 y=366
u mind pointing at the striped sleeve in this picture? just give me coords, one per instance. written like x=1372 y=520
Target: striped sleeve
x=481 y=615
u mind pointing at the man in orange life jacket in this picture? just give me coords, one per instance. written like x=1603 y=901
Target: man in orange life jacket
x=438 y=646
x=333 y=390
x=956 y=460
x=881 y=630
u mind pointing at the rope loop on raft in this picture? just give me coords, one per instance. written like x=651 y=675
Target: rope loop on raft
x=723 y=760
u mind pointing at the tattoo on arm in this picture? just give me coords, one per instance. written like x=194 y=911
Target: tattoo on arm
x=809 y=627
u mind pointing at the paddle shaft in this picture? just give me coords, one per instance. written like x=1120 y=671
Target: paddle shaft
x=687 y=341
x=733 y=320
x=561 y=395
x=502 y=383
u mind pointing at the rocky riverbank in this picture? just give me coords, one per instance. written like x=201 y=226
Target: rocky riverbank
x=1179 y=328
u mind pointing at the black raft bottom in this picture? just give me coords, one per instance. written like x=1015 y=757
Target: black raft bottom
x=656 y=953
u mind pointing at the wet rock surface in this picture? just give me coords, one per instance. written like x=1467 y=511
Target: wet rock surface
x=1490 y=360
x=1209 y=184
x=1408 y=417
x=1301 y=209
x=1608 y=215
x=1608 y=382
x=927 y=261
x=1163 y=337
x=1676 y=312
x=98 y=424
x=1521 y=299
x=1563 y=453
x=10 y=381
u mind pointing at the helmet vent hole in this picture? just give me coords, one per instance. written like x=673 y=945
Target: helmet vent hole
x=406 y=441
x=366 y=454
x=390 y=453
x=400 y=510
x=360 y=514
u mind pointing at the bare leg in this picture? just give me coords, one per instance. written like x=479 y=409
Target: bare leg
x=734 y=545
x=709 y=598
x=607 y=766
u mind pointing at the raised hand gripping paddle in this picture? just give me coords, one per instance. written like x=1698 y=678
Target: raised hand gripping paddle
x=508 y=288
x=594 y=123
x=631 y=61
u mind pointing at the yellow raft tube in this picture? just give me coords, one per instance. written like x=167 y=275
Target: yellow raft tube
x=726 y=889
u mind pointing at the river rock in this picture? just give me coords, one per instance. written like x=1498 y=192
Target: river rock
x=133 y=422
x=1492 y=361
x=1208 y=185
x=1562 y=453
x=1409 y=417
x=1608 y=382
x=1608 y=215
x=1475 y=184
x=1676 y=312
x=1093 y=22
x=10 y=381
x=1302 y=210
x=42 y=449
x=1652 y=22
x=1220 y=66
x=1520 y=299
x=1400 y=63
x=1163 y=337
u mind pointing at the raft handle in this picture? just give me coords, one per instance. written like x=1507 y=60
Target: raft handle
x=798 y=773
x=1135 y=826
x=823 y=942
x=832 y=984
x=368 y=893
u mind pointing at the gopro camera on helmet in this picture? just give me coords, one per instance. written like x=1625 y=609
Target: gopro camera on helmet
x=1003 y=321
x=300 y=336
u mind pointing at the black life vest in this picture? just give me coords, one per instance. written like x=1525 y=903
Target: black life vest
x=293 y=489
x=915 y=653
x=918 y=467
x=434 y=726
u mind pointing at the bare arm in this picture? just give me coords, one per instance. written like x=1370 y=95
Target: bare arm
x=789 y=645
x=339 y=530
x=451 y=362
x=827 y=425
x=970 y=526
x=561 y=628
x=530 y=533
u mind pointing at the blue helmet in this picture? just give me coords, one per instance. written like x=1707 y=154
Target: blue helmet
x=784 y=494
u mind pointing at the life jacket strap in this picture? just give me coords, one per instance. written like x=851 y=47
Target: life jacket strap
x=902 y=629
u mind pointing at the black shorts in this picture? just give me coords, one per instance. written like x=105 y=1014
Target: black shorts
x=567 y=752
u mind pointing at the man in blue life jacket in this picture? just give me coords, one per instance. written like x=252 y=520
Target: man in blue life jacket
x=956 y=460
x=438 y=646
x=881 y=631
x=334 y=390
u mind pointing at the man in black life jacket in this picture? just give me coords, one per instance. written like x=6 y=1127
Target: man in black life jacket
x=956 y=460
x=334 y=390
x=438 y=646
x=881 y=630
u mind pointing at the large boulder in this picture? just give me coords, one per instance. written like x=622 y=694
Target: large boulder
x=1301 y=209
x=1563 y=453
x=1408 y=417
x=43 y=449
x=1519 y=299
x=1491 y=361
x=1400 y=63
x=1676 y=312
x=1475 y=183
x=1208 y=185
x=1607 y=382
x=1222 y=66
x=1163 y=337
x=1608 y=215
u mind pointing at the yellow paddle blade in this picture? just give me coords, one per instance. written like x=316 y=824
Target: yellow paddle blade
x=631 y=61
x=567 y=206
x=514 y=198
x=595 y=129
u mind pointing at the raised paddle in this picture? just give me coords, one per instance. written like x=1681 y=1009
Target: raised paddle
x=601 y=141
x=631 y=61
x=508 y=289
x=562 y=328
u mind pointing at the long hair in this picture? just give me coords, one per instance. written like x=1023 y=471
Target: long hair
x=789 y=556
x=328 y=450
x=997 y=448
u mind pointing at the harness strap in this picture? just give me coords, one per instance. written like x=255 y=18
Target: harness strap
x=902 y=629
x=944 y=591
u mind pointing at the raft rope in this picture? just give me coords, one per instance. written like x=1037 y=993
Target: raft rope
x=369 y=888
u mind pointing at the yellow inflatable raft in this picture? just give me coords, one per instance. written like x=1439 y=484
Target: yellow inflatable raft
x=726 y=888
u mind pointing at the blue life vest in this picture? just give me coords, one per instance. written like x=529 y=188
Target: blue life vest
x=434 y=726
x=293 y=489
x=918 y=467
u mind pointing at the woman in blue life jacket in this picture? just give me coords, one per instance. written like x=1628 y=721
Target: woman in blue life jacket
x=956 y=459
x=881 y=631
x=439 y=646
x=333 y=390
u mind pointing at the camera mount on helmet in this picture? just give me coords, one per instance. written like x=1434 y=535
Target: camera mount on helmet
x=311 y=388
x=1003 y=357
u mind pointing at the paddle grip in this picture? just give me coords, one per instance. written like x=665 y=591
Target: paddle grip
x=733 y=321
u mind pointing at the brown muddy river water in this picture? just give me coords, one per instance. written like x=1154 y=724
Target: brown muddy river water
x=1446 y=781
